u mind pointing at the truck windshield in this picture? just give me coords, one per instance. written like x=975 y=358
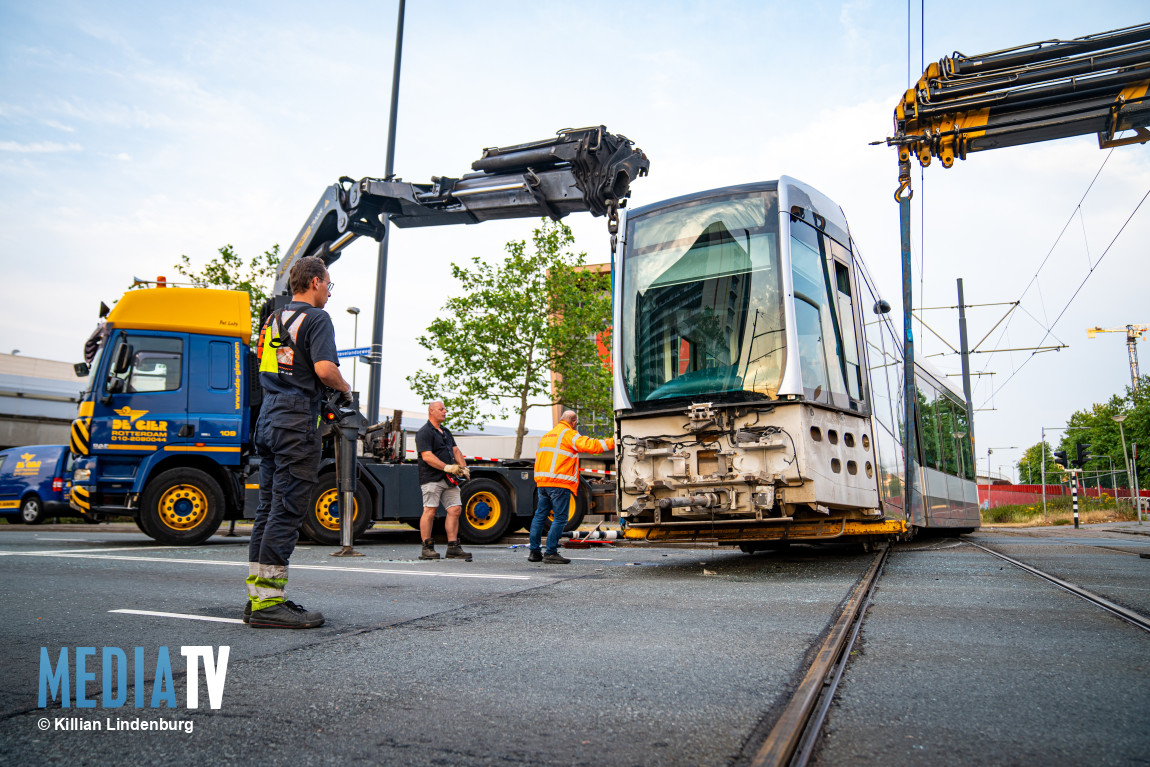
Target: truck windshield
x=702 y=300
x=94 y=367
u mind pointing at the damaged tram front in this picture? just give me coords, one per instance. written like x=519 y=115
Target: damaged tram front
x=742 y=392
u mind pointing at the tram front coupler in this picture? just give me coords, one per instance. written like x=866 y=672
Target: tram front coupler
x=346 y=425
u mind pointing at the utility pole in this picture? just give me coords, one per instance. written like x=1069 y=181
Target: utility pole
x=965 y=354
x=376 y=355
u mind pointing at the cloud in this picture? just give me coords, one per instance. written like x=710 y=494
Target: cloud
x=38 y=147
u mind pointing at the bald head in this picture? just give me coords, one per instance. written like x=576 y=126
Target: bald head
x=569 y=418
x=436 y=413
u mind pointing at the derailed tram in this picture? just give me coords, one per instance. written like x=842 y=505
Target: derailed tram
x=758 y=381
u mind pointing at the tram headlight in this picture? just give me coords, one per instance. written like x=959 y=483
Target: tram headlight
x=81 y=475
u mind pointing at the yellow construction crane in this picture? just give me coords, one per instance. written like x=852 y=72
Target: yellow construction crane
x=1133 y=334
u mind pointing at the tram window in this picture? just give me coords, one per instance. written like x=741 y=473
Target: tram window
x=881 y=360
x=847 y=321
x=814 y=366
x=819 y=346
x=928 y=402
x=947 y=433
x=962 y=425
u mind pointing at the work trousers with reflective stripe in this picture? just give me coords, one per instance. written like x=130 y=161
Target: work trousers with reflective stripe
x=551 y=499
x=289 y=448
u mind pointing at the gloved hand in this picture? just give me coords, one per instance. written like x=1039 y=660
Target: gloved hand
x=453 y=469
x=464 y=472
x=344 y=399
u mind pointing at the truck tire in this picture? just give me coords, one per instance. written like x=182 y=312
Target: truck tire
x=487 y=514
x=321 y=520
x=182 y=507
x=31 y=510
x=580 y=503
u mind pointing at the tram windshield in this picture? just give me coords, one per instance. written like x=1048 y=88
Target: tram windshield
x=702 y=300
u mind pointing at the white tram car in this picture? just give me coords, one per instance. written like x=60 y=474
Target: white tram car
x=758 y=381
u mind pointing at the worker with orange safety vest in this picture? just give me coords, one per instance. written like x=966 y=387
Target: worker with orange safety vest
x=557 y=478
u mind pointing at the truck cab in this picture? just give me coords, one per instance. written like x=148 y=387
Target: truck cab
x=164 y=420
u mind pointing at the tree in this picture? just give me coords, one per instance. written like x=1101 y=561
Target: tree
x=228 y=272
x=1030 y=466
x=1096 y=426
x=494 y=346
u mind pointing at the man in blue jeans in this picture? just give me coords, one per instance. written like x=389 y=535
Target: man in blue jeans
x=557 y=480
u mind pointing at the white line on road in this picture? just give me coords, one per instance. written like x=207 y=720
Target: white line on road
x=329 y=568
x=178 y=615
x=56 y=538
x=68 y=552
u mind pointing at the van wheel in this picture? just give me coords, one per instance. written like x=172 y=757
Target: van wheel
x=486 y=513
x=32 y=510
x=182 y=507
x=322 y=517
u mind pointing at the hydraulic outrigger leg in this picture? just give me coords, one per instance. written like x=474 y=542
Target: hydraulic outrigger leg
x=346 y=425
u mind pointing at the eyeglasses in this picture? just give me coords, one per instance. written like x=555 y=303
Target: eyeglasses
x=330 y=285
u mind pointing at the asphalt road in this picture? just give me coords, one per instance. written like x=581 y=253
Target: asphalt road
x=625 y=656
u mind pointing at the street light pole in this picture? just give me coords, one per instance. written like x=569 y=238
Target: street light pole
x=354 y=312
x=989 y=481
x=1126 y=458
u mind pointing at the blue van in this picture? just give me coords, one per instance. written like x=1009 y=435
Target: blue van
x=34 y=483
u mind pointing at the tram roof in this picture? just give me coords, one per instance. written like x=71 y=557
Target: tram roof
x=797 y=193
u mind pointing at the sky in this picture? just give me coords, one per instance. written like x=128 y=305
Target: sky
x=134 y=133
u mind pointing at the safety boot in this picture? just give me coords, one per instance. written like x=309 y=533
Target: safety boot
x=429 y=551
x=455 y=551
x=285 y=615
x=248 y=611
x=555 y=559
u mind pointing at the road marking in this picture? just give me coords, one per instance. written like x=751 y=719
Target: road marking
x=74 y=552
x=77 y=554
x=594 y=559
x=178 y=615
x=54 y=538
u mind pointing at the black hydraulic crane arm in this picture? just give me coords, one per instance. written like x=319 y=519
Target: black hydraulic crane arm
x=585 y=169
x=1023 y=95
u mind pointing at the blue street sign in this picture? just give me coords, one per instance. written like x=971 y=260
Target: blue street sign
x=354 y=352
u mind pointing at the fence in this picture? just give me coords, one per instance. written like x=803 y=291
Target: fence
x=993 y=496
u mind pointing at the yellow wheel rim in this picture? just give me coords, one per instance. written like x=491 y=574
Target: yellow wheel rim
x=570 y=511
x=183 y=507
x=327 y=509
x=483 y=510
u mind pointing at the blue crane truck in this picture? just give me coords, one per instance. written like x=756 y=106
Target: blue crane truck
x=164 y=428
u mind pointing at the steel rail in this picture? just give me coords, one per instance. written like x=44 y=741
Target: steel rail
x=780 y=745
x=1141 y=621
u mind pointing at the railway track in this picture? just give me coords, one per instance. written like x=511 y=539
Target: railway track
x=1136 y=619
x=792 y=738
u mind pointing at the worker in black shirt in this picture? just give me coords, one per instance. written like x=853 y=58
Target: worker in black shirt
x=297 y=356
x=439 y=459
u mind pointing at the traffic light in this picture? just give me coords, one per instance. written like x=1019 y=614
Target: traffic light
x=1060 y=458
x=1082 y=450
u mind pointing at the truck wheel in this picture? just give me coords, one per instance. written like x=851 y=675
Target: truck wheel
x=580 y=502
x=487 y=512
x=32 y=510
x=183 y=507
x=321 y=520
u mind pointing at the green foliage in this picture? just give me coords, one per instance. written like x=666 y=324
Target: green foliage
x=493 y=347
x=228 y=272
x=1030 y=467
x=1104 y=436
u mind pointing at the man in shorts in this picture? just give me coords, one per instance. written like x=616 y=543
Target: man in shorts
x=441 y=468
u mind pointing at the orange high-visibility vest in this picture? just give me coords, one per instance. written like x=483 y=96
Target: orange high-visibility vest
x=557 y=460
